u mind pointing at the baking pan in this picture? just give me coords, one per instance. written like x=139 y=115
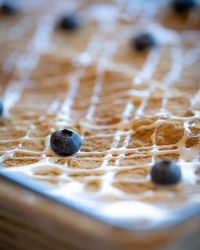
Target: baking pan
x=32 y=219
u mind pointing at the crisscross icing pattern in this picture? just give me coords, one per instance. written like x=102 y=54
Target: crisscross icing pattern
x=130 y=108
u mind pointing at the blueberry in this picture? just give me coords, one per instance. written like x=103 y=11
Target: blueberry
x=166 y=172
x=143 y=41
x=182 y=6
x=1 y=108
x=65 y=142
x=8 y=8
x=69 y=22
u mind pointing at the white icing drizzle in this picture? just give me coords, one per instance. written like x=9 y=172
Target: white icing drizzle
x=149 y=67
x=176 y=67
x=11 y=96
x=64 y=114
x=102 y=12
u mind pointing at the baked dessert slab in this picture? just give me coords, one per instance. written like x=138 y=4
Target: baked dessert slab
x=131 y=109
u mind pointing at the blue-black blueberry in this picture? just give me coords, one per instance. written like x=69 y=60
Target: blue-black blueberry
x=182 y=6
x=8 y=7
x=166 y=172
x=65 y=142
x=143 y=41
x=71 y=22
x=1 y=108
